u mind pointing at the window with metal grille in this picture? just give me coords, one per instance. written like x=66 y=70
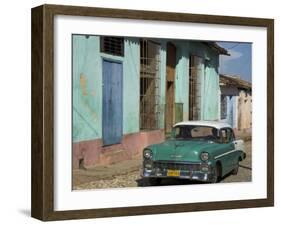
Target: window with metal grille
x=149 y=84
x=112 y=45
x=223 y=107
x=195 y=71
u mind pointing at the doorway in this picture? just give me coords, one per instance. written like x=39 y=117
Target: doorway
x=112 y=112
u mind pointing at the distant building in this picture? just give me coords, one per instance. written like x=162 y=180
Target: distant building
x=236 y=102
x=128 y=93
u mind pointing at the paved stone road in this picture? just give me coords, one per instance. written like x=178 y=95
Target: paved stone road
x=128 y=175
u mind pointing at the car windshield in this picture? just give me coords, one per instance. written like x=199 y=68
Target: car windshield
x=188 y=132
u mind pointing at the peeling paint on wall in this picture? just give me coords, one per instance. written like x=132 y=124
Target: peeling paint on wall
x=87 y=84
x=83 y=84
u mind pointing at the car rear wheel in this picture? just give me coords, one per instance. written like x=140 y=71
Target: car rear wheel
x=236 y=169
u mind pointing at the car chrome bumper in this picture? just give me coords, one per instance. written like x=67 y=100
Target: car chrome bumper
x=186 y=171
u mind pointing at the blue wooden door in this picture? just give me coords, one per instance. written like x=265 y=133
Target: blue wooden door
x=112 y=120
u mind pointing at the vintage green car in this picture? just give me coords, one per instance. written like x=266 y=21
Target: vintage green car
x=197 y=150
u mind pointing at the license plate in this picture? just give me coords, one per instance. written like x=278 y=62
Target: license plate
x=173 y=173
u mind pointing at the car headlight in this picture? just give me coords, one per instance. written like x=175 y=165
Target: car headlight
x=204 y=156
x=204 y=167
x=147 y=154
x=148 y=165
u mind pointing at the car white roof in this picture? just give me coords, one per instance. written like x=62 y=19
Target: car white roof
x=215 y=124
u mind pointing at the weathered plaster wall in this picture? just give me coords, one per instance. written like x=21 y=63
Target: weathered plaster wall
x=182 y=76
x=209 y=78
x=87 y=80
x=211 y=90
x=244 y=110
x=87 y=90
x=92 y=152
x=131 y=86
x=239 y=107
x=87 y=87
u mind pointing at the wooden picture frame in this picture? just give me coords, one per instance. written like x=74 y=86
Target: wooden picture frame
x=43 y=112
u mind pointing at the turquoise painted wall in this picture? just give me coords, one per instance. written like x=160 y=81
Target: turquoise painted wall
x=209 y=78
x=87 y=87
x=211 y=90
x=131 y=88
x=182 y=76
x=87 y=83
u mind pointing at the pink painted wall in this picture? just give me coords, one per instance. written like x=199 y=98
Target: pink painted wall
x=93 y=153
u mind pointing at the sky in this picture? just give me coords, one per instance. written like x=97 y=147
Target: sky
x=239 y=62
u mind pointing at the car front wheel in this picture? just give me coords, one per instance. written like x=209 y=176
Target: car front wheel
x=151 y=181
x=216 y=174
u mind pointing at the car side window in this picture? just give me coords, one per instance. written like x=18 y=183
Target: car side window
x=226 y=135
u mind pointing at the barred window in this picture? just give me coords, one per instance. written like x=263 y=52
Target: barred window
x=149 y=84
x=195 y=71
x=112 y=45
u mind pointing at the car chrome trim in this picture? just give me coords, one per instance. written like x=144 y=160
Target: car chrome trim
x=176 y=162
x=226 y=153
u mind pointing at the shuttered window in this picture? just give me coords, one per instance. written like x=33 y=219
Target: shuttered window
x=112 y=45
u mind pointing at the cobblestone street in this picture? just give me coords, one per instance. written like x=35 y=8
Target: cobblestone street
x=127 y=174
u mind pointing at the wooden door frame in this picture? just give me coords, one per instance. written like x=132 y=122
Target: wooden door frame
x=172 y=79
